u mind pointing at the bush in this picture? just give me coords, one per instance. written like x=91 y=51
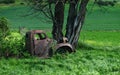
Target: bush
x=11 y=43
x=4 y=31
x=4 y=27
x=7 y=1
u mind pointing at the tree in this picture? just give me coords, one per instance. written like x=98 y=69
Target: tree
x=75 y=20
x=54 y=10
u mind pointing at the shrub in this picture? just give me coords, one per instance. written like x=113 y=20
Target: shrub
x=4 y=27
x=3 y=31
x=13 y=45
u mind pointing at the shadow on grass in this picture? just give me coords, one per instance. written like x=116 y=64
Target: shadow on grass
x=82 y=45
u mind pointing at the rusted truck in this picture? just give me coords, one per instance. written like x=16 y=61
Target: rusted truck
x=38 y=44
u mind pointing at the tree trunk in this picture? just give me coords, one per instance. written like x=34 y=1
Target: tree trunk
x=58 y=21
x=71 y=18
x=78 y=23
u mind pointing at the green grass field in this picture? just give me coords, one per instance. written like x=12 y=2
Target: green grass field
x=96 y=19
x=98 y=52
x=17 y=18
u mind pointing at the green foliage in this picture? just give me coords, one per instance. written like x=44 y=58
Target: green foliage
x=3 y=31
x=13 y=45
x=7 y=1
x=4 y=24
x=4 y=28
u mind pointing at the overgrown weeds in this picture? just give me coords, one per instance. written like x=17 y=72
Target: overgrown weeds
x=12 y=44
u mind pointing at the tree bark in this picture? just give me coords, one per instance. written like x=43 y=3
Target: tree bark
x=78 y=23
x=71 y=18
x=58 y=21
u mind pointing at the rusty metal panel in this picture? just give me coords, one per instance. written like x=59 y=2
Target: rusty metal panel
x=62 y=48
x=38 y=46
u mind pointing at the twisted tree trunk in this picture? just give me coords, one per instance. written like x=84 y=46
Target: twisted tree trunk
x=75 y=20
x=71 y=18
x=74 y=27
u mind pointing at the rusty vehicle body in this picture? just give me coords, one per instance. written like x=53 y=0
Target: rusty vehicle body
x=37 y=43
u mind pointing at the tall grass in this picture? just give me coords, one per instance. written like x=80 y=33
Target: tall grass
x=83 y=62
x=89 y=59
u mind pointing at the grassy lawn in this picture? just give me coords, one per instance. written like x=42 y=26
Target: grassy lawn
x=98 y=52
x=101 y=38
